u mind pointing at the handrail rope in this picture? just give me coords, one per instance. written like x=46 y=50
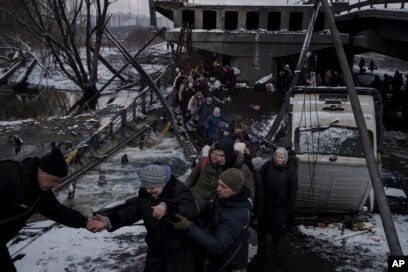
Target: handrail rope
x=112 y=120
x=317 y=148
x=68 y=179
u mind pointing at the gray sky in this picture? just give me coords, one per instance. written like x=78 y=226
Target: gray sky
x=134 y=6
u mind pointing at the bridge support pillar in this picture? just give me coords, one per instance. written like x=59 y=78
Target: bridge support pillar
x=198 y=18
x=251 y=67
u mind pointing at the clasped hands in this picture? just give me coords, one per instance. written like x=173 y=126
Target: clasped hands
x=99 y=222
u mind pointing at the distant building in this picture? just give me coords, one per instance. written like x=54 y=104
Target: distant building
x=141 y=20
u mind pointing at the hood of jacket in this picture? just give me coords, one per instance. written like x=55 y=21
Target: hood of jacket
x=226 y=144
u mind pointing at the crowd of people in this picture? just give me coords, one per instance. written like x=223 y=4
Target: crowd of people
x=307 y=77
x=391 y=86
x=201 y=224
x=192 y=94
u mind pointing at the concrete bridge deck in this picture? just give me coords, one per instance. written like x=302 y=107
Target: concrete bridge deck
x=257 y=38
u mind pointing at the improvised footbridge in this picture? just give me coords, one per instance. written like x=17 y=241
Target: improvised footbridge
x=130 y=123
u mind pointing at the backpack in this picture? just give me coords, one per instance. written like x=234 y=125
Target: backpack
x=203 y=162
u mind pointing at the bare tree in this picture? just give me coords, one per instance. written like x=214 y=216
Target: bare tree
x=69 y=29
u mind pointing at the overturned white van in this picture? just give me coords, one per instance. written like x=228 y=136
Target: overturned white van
x=333 y=174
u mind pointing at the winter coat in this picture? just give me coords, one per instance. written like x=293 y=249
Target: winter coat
x=204 y=182
x=169 y=250
x=258 y=187
x=211 y=124
x=280 y=188
x=20 y=197
x=194 y=104
x=203 y=112
x=227 y=238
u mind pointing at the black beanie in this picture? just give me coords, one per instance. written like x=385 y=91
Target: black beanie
x=54 y=164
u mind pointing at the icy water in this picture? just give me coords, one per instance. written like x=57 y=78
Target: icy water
x=33 y=103
x=122 y=180
x=395 y=157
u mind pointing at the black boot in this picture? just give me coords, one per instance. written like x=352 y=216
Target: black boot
x=260 y=253
x=275 y=241
x=275 y=248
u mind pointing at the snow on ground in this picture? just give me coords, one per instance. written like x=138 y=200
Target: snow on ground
x=67 y=249
x=364 y=242
x=12 y=125
x=59 y=81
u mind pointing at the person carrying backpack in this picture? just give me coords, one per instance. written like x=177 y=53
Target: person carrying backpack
x=203 y=179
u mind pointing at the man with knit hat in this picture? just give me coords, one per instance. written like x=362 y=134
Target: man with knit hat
x=227 y=242
x=161 y=195
x=25 y=188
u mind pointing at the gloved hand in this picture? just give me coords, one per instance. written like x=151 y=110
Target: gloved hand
x=182 y=224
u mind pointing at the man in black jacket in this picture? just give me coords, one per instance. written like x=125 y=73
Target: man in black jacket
x=25 y=188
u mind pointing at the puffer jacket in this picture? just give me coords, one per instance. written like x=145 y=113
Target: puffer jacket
x=280 y=189
x=169 y=249
x=227 y=242
x=204 y=182
x=203 y=112
x=211 y=124
x=279 y=183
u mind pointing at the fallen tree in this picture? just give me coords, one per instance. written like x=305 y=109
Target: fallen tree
x=71 y=31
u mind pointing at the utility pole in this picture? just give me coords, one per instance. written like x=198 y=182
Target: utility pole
x=385 y=213
x=152 y=9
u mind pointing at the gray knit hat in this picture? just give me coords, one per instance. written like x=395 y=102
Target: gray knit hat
x=152 y=176
x=233 y=178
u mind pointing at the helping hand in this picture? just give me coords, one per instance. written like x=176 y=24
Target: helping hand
x=97 y=223
x=182 y=224
x=159 y=211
